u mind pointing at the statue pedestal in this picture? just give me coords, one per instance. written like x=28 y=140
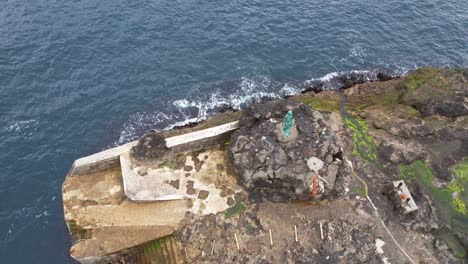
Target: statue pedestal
x=279 y=133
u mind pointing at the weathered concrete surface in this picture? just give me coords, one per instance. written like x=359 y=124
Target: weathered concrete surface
x=104 y=221
x=109 y=240
x=201 y=174
x=98 y=213
x=100 y=161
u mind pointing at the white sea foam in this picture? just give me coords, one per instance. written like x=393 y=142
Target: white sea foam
x=289 y=89
x=23 y=128
x=247 y=90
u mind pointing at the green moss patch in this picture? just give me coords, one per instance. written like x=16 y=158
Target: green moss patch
x=419 y=171
x=154 y=245
x=363 y=144
x=454 y=246
x=359 y=190
x=388 y=100
x=236 y=209
x=322 y=104
x=169 y=164
x=460 y=185
x=461 y=170
x=410 y=111
x=415 y=79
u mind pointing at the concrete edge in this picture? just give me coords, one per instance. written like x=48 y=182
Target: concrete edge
x=201 y=134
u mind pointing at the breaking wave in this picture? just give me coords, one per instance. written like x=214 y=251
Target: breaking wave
x=235 y=95
x=23 y=128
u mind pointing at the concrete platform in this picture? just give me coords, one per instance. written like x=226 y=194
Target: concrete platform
x=103 y=220
x=115 y=205
x=203 y=179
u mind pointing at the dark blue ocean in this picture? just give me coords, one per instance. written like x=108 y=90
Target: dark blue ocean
x=80 y=76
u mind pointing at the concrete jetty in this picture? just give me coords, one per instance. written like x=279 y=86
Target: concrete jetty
x=113 y=206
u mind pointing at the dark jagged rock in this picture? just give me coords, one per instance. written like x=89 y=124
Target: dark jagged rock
x=381 y=76
x=151 y=146
x=393 y=151
x=187 y=125
x=276 y=166
x=316 y=89
x=447 y=105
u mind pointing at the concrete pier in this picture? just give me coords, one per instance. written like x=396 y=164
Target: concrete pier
x=103 y=194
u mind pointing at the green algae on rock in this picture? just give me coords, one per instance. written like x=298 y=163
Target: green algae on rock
x=363 y=144
x=418 y=77
x=236 y=209
x=461 y=170
x=316 y=103
x=459 y=185
x=420 y=172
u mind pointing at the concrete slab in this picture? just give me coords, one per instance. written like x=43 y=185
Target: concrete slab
x=195 y=182
x=402 y=194
x=153 y=187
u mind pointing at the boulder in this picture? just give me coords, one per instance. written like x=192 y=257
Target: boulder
x=151 y=146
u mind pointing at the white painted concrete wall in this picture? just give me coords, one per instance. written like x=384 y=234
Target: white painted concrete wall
x=98 y=160
x=201 y=134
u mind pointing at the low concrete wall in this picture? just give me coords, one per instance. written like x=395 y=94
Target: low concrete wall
x=201 y=134
x=100 y=161
x=202 y=139
x=191 y=141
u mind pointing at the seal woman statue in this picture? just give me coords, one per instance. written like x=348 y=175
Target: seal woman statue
x=287 y=124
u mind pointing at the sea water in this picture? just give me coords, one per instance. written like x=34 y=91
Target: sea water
x=80 y=76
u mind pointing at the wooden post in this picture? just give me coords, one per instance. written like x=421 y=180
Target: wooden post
x=271 y=237
x=295 y=234
x=321 y=231
x=212 y=248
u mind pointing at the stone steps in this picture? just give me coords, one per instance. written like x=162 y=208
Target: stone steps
x=161 y=251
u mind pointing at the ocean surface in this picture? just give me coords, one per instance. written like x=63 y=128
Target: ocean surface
x=80 y=76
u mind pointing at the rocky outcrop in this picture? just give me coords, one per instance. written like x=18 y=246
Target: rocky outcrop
x=151 y=146
x=342 y=144
x=286 y=168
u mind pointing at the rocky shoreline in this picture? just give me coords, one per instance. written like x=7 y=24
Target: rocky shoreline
x=316 y=196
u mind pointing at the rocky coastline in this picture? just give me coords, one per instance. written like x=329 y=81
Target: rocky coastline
x=250 y=194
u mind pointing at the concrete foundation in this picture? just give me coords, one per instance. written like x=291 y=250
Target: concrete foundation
x=115 y=206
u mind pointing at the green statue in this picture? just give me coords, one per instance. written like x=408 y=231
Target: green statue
x=287 y=124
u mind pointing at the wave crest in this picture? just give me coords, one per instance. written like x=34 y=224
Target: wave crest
x=236 y=95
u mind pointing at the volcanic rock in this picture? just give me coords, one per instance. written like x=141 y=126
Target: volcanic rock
x=284 y=169
x=151 y=146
